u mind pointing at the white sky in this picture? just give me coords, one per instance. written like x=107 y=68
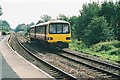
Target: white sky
x=27 y=11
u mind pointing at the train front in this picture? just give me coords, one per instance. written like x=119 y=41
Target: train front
x=59 y=34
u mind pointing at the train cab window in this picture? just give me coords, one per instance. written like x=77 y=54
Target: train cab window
x=65 y=29
x=52 y=29
x=59 y=28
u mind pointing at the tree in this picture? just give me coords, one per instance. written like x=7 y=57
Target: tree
x=21 y=27
x=111 y=12
x=46 y=18
x=62 y=17
x=1 y=11
x=98 y=30
x=4 y=26
x=108 y=10
x=87 y=13
x=73 y=21
x=117 y=27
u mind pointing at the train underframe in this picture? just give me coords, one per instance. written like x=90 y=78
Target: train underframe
x=58 y=44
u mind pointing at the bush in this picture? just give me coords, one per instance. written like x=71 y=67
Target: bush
x=105 y=50
x=114 y=51
x=116 y=44
x=106 y=46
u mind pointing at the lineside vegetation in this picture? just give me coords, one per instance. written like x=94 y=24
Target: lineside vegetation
x=96 y=30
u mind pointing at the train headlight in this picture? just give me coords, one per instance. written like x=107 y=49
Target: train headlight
x=67 y=38
x=50 y=38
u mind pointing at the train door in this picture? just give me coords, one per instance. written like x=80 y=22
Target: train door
x=35 y=32
x=45 y=36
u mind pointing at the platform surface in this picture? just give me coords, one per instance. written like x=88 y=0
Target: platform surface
x=13 y=66
x=5 y=70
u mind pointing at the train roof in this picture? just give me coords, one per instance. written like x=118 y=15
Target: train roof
x=55 y=21
x=32 y=26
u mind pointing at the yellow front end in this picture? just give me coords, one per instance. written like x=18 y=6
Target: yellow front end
x=54 y=38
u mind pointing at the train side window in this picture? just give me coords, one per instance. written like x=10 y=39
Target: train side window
x=40 y=29
x=43 y=29
x=32 y=30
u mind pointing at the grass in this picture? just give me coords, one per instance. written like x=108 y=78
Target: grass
x=105 y=50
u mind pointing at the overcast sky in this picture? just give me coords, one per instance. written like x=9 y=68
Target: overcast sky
x=27 y=11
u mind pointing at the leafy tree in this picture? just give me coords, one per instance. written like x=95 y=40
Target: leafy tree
x=111 y=12
x=87 y=13
x=45 y=18
x=21 y=27
x=108 y=10
x=97 y=31
x=117 y=27
x=1 y=25
x=62 y=17
x=1 y=11
x=73 y=21
x=4 y=26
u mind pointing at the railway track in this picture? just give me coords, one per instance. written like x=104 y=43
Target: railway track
x=111 y=71
x=108 y=69
x=47 y=67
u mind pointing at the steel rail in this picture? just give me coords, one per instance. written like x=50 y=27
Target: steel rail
x=61 y=74
x=93 y=60
x=114 y=75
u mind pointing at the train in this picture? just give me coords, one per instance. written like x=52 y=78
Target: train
x=56 y=33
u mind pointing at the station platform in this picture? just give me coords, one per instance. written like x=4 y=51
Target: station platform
x=12 y=65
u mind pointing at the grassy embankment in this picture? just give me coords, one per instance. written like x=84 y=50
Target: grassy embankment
x=106 y=50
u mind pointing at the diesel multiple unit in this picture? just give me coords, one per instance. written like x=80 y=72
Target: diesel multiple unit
x=56 y=33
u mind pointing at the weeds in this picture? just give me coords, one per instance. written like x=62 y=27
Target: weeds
x=105 y=50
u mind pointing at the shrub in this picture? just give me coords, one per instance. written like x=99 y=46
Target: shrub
x=106 y=46
x=114 y=51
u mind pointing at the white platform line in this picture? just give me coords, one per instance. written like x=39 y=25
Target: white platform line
x=28 y=61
